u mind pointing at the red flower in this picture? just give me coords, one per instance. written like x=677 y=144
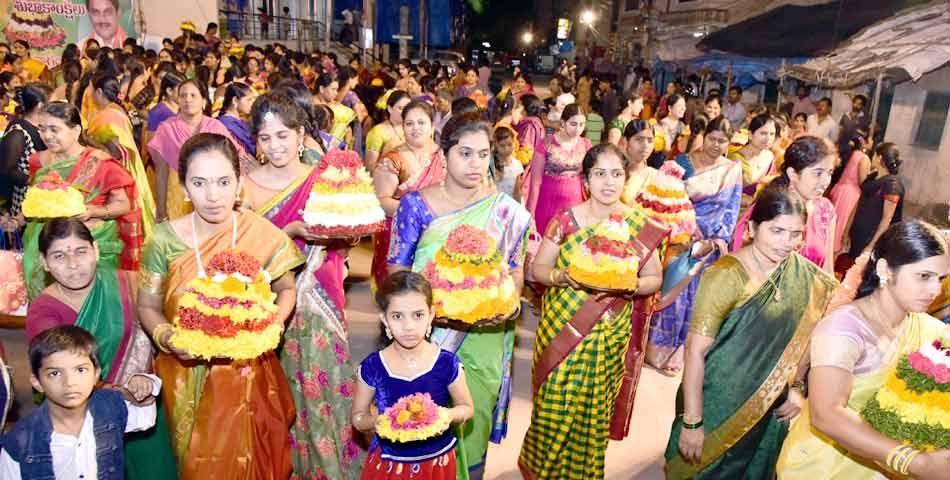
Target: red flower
x=231 y=261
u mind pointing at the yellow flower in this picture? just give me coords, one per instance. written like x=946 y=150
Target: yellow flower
x=930 y=408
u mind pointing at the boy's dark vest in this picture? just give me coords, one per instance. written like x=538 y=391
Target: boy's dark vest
x=28 y=441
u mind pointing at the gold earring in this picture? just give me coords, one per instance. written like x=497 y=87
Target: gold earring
x=187 y=199
x=389 y=334
x=429 y=331
x=300 y=150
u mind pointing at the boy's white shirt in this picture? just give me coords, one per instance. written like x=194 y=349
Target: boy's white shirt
x=75 y=457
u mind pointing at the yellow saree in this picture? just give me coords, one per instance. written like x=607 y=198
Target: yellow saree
x=110 y=127
x=807 y=454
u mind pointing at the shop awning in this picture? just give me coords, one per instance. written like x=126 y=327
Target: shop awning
x=906 y=45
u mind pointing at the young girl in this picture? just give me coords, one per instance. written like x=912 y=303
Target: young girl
x=507 y=169
x=410 y=364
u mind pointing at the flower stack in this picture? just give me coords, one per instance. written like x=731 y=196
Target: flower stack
x=470 y=279
x=608 y=258
x=913 y=405
x=52 y=197
x=231 y=314
x=342 y=201
x=413 y=418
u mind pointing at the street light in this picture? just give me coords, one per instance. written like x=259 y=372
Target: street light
x=527 y=38
x=587 y=17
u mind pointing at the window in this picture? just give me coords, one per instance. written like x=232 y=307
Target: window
x=932 y=120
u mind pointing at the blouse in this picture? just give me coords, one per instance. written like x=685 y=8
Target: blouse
x=388 y=388
x=723 y=287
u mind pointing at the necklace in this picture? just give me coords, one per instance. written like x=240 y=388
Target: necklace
x=876 y=320
x=761 y=266
x=467 y=201
x=410 y=361
x=194 y=241
x=70 y=299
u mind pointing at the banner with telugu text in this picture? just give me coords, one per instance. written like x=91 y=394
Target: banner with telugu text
x=48 y=26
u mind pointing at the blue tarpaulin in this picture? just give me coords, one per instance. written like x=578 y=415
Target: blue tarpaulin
x=746 y=71
x=441 y=21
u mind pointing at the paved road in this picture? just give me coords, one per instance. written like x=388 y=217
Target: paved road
x=637 y=457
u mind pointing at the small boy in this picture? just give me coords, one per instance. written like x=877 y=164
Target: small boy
x=77 y=432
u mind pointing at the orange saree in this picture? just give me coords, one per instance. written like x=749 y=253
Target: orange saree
x=228 y=419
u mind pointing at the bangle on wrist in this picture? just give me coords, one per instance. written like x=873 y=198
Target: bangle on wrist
x=553 y=276
x=900 y=458
x=799 y=385
x=157 y=334
x=692 y=425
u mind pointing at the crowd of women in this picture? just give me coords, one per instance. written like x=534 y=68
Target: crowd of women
x=188 y=152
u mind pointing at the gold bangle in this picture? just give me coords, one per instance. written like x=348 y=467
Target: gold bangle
x=157 y=333
x=897 y=457
x=552 y=277
x=905 y=467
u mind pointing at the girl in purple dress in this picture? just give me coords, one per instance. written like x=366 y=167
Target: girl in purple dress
x=409 y=365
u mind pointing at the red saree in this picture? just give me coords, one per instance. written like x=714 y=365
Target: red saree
x=97 y=175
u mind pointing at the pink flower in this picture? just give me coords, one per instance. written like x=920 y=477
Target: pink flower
x=302 y=426
x=324 y=378
x=311 y=389
x=292 y=347
x=341 y=355
x=325 y=410
x=346 y=389
x=351 y=451
x=320 y=341
x=941 y=374
x=325 y=447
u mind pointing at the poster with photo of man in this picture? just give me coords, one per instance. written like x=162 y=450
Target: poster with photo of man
x=49 y=25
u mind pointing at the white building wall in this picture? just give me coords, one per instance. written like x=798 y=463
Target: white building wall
x=163 y=17
x=926 y=172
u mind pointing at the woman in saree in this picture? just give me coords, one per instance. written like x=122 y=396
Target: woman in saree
x=552 y=181
x=228 y=418
x=577 y=390
x=806 y=174
x=101 y=300
x=235 y=110
x=617 y=126
x=315 y=353
x=110 y=127
x=413 y=165
x=328 y=85
x=659 y=195
x=313 y=140
x=530 y=128
x=421 y=226
x=167 y=142
x=714 y=184
x=756 y=156
x=755 y=310
x=389 y=134
x=109 y=190
x=854 y=349
x=167 y=106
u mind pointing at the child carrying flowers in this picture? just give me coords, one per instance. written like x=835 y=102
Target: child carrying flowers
x=418 y=389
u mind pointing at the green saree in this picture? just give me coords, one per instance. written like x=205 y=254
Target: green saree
x=764 y=337
x=486 y=352
x=105 y=233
